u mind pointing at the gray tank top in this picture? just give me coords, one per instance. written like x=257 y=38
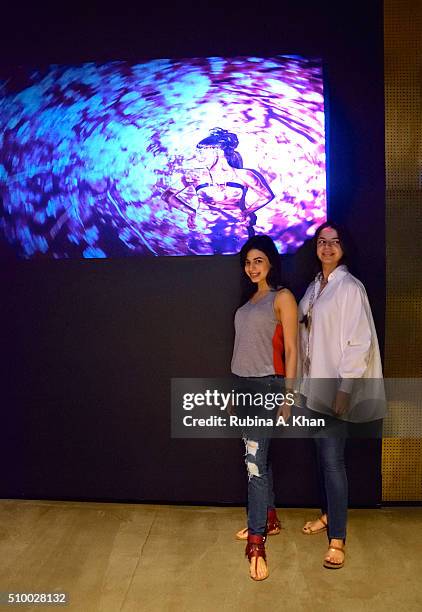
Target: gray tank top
x=258 y=345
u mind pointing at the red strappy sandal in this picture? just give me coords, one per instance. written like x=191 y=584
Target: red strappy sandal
x=255 y=548
x=273 y=525
x=273 y=522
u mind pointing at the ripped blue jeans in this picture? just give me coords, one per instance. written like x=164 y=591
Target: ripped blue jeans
x=260 y=484
x=260 y=475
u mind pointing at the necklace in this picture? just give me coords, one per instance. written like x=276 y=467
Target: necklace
x=308 y=318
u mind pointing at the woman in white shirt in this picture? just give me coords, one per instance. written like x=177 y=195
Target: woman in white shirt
x=338 y=343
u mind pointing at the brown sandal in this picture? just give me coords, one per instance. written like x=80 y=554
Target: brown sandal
x=306 y=529
x=330 y=564
x=273 y=526
x=255 y=548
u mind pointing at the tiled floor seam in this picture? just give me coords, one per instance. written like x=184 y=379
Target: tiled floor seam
x=137 y=564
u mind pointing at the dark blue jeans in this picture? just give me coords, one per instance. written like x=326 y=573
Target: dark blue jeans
x=260 y=475
x=333 y=484
x=260 y=484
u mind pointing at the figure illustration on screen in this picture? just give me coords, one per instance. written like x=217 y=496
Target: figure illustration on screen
x=220 y=197
x=123 y=159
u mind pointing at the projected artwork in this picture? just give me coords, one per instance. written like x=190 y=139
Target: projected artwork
x=165 y=157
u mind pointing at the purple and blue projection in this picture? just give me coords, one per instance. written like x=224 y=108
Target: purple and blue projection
x=165 y=157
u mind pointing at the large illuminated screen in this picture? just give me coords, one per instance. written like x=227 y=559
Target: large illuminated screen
x=163 y=157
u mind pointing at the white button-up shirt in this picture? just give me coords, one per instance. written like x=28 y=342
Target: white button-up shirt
x=342 y=344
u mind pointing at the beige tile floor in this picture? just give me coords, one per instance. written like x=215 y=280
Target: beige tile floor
x=112 y=557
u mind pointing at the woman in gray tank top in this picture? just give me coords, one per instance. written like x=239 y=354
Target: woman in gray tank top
x=264 y=350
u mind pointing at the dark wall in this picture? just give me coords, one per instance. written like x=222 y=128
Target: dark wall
x=89 y=347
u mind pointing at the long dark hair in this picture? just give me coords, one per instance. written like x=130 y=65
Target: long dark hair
x=225 y=140
x=266 y=245
x=345 y=243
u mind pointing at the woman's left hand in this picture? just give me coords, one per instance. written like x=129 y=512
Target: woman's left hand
x=341 y=403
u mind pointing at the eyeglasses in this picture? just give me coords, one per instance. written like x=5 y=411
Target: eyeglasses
x=335 y=242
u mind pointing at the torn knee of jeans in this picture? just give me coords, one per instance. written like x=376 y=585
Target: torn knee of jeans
x=252 y=469
x=251 y=447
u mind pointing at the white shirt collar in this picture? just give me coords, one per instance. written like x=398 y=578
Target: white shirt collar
x=338 y=273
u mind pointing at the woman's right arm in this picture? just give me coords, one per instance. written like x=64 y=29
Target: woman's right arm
x=259 y=193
